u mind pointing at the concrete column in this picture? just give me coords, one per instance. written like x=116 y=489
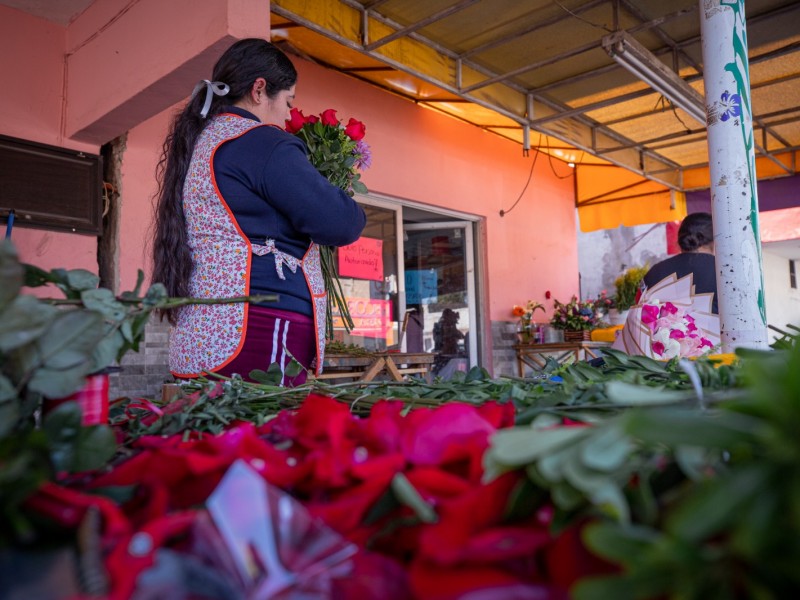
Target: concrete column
x=734 y=198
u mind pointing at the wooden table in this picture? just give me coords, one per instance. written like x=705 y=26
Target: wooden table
x=392 y=365
x=535 y=355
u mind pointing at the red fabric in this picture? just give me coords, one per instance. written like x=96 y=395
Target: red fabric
x=672 y=237
x=263 y=343
x=92 y=398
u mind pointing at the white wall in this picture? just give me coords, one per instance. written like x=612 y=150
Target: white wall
x=783 y=302
x=604 y=254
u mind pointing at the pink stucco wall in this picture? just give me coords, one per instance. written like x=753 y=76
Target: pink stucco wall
x=425 y=156
x=138 y=188
x=32 y=68
x=128 y=61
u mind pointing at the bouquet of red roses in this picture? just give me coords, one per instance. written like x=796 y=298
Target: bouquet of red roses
x=337 y=151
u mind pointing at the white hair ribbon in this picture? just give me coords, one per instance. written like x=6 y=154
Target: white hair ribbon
x=213 y=88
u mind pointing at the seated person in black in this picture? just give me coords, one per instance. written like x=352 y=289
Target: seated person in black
x=696 y=239
x=688 y=281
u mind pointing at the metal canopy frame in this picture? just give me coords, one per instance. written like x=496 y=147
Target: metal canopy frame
x=579 y=123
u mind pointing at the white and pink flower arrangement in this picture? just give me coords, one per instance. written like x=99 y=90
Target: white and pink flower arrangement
x=673 y=331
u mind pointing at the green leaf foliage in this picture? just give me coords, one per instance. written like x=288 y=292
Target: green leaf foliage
x=11 y=273
x=74 y=448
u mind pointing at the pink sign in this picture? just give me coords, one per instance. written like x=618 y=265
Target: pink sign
x=372 y=318
x=363 y=259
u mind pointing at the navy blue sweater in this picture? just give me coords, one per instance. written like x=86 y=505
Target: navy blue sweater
x=274 y=192
x=701 y=265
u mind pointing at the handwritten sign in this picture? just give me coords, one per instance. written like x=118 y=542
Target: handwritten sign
x=421 y=287
x=372 y=318
x=363 y=259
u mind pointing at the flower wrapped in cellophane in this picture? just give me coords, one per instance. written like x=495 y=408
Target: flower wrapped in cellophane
x=674 y=332
x=670 y=321
x=337 y=151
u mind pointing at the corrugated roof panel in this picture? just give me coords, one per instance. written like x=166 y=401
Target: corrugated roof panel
x=687 y=154
x=599 y=106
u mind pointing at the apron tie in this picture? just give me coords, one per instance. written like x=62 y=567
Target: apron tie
x=281 y=258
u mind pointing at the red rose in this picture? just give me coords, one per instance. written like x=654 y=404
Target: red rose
x=547 y=294
x=312 y=119
x=355 y=130
x=296 y=121
x=329 y=118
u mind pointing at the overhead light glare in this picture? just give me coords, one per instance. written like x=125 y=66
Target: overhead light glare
x=642 y=63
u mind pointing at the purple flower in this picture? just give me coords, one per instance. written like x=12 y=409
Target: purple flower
x=730 y=105
x=363 y=155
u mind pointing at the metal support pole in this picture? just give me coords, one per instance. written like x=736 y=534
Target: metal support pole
x=734 y=198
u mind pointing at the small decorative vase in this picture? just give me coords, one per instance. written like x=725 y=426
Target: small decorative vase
x=617 y=317
x=553 y=335
x=577 y=335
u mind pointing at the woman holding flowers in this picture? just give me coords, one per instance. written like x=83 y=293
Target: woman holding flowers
x=241 y=211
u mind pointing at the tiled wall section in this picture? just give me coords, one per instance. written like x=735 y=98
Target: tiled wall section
x=144 y=372
x=504 y=337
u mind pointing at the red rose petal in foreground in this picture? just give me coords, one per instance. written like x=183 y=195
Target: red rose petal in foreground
x=448 y=433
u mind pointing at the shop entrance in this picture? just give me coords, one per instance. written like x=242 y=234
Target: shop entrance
x=439 y=265
x=410 y=285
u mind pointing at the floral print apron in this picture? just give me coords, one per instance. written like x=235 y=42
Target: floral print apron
x=207 y=337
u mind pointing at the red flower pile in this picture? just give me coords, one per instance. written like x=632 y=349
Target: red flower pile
x=342 y=469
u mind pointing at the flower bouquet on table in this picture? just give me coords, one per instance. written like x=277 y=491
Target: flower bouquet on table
x=337 y=151
x=525 y=316
x=603 y=303
x=576 y=315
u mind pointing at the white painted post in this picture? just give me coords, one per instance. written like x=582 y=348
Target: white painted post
x=734 y=198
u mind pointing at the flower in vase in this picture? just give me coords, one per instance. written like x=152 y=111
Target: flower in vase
x=525 y=315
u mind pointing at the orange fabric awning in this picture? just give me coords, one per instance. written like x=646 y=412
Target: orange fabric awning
x=609 y=196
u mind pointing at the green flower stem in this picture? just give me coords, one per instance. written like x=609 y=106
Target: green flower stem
x=171 y=302
x=336 y=297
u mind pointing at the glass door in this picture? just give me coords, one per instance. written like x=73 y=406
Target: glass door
x=439 y=306
x=368 y=271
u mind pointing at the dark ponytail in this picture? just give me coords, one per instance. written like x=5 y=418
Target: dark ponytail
x=695 y=231
x=238 y=67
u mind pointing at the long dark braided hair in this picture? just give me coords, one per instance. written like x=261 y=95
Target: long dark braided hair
x=238 y=67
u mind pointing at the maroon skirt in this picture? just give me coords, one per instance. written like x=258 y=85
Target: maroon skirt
x=274 y=336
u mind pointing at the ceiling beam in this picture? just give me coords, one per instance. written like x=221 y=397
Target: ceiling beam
x=523 y=32
x=451 y=10
x=576 y=129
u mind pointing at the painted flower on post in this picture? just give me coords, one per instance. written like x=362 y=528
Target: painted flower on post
x=730 y=105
